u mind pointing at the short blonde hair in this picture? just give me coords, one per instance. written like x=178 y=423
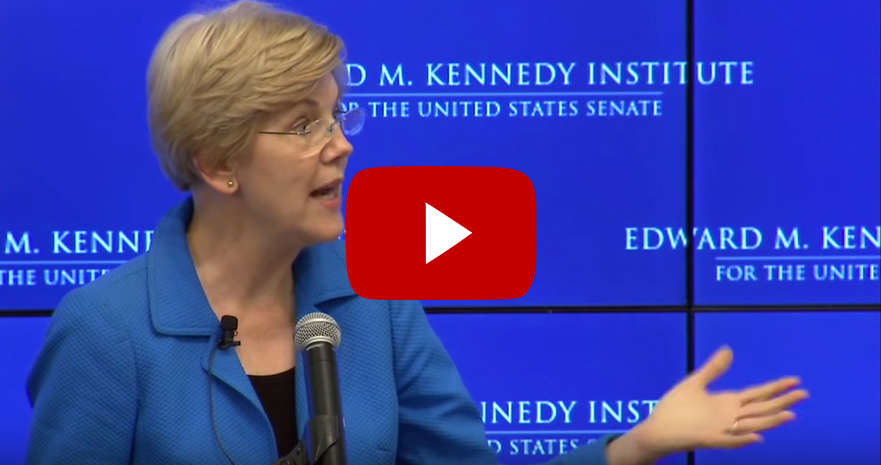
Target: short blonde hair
x=214 y=75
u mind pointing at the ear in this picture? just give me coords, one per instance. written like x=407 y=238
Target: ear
x=219 y=176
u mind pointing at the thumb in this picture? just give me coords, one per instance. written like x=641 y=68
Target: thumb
x=715 y=367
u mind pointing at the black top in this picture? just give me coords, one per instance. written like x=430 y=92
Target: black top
x=277 y=394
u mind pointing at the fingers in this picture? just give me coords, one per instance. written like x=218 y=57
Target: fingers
x=715 y=367
x=757 y=424
x=768 y=390
x=773 y=405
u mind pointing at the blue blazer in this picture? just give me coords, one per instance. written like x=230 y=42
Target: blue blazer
x=123 y=374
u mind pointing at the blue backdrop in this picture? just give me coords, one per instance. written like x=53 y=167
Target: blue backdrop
x=77 y=132
x=22 y=339
x=786 y=160
x=790 y=164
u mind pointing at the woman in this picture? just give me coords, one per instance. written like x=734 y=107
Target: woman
x=244 y=112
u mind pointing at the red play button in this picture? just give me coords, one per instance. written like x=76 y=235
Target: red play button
x=441 y=233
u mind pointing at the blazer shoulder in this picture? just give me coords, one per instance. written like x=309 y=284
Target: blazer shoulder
x=83 y=384
x=122 y=287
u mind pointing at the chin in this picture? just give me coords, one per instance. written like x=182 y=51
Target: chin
x=329 y=231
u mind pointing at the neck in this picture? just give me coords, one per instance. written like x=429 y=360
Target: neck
x=242 y=268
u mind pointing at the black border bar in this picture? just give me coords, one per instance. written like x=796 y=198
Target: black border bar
x=585 y=309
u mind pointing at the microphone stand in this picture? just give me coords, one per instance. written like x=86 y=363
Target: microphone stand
x=322 y=432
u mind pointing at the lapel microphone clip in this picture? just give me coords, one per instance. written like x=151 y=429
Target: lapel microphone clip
x=229 y=325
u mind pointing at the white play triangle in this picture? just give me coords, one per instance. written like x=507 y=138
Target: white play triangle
x=441 y=233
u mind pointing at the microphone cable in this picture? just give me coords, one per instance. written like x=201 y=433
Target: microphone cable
x=229 y=325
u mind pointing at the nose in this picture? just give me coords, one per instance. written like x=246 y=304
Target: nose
x=337 y=147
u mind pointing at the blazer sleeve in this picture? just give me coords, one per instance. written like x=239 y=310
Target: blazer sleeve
x=83 y=387
x=439 y=422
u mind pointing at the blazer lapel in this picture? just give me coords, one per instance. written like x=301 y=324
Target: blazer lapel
x=179 y=307
x=321 y=277
x=245 y=438
x=227 y=369
x=301 y=399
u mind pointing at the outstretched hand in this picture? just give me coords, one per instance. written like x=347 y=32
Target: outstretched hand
x=690 y=417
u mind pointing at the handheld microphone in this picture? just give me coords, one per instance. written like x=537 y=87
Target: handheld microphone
x=229 y=325
x=318 y=336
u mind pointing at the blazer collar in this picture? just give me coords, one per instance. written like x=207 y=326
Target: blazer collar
x=178 y=304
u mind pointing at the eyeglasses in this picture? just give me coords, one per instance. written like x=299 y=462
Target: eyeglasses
x=316 y=134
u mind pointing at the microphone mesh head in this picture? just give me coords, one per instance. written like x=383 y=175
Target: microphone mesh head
x=317 y=327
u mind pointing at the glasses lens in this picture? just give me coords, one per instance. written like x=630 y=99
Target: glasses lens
x=353 y=121
x=350 y=123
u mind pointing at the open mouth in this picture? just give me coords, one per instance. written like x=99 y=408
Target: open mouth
x=327 y=192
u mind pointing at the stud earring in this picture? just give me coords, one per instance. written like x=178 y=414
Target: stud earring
x=231 y=183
